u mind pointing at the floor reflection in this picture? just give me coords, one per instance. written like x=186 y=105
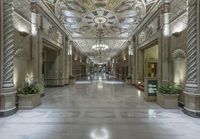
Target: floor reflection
x=99 y=133
x=96 y=108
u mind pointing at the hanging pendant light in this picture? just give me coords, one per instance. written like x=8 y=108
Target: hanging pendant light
x=100 y=47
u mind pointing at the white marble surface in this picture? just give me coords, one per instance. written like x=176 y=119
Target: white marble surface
x=98 y=109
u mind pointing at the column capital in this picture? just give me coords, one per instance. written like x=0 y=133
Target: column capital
x=34 y=7
x=165 y=8
x=134 y=39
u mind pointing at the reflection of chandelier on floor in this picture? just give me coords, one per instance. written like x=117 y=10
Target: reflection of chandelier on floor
x=100 y=46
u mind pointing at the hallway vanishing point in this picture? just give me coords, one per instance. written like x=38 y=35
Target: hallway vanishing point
x=98 y=109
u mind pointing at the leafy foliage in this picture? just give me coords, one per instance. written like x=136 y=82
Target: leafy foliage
x=169 y=89
x=129 y=77
x=29 y=88
x=71 y=77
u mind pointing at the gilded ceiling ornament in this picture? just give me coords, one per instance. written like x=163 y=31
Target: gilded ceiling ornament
x=118 y=19
x=99 y=3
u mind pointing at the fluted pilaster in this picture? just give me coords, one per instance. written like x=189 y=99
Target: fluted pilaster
x=192 y=57
x=8 y=44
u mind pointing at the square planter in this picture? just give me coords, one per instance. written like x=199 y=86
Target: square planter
x=167 y=101
x=128 y=81
x=28 y=101
x=72 y=81
x=181 y=98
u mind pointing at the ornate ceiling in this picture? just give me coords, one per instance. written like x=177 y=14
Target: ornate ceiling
x=82 y=19
x=120 y=16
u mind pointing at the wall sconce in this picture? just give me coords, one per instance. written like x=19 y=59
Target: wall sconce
x=23 y=33
x=176 y=34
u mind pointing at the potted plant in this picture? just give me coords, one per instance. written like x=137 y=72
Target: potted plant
x=72 y=79
x=28 y=96
x=167 y=96
x=129 y=80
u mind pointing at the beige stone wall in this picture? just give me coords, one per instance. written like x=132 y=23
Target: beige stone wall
x=78 y=64
x=178 y=41
x=178 y=62
x=22 y=50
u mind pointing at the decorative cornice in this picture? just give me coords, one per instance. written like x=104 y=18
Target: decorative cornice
x=148 y=18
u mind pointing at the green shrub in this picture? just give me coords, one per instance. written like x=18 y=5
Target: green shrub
x=29 y=88
x=169 y=89
x=129 y=77
x=71 y=77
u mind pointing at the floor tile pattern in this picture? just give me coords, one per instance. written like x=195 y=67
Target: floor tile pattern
x=98 y=109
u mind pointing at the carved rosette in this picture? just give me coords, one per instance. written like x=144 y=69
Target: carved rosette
x=192 y=58
x=8 y=44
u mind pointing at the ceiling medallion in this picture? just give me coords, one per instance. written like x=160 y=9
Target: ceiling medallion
x=100 y=19
x=107 y=18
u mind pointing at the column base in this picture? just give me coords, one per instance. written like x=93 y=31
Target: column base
x=41 y=88
x=8 y=113
x=191 y=113
x=192 y=104
x=7 y=104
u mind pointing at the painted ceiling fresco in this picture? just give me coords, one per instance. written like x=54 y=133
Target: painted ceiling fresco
x=121 y=16
x=84 y=18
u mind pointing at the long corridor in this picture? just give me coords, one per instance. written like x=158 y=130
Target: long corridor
x=98 y=109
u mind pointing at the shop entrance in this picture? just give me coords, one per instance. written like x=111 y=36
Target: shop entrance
x=151 y=61
x=50 y=65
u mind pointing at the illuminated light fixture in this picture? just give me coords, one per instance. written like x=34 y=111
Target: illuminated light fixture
x=124 y=58
x=139 y=82
x=76 y=58
x=23 y=33
x=101 y=133
x=176 y=34
x=100 y=46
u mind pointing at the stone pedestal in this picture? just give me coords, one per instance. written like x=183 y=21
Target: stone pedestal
x=28 y=101
x=192 y=105
x=167 y=101
x=72 y=81
x=128 y=81
x=7 y=104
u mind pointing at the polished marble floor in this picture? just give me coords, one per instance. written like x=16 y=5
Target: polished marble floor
x=98 y=109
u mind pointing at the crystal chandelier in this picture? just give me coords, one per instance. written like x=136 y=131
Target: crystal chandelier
x=100 y=46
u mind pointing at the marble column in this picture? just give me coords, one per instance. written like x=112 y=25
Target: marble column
x=130 y=55
x=65 y=56
x=164 y=45
x=114 y=67
x=133 y=44
x=139 y=65
x=36 y=47
x=7 y=92
x=69 y=59
x=192 y=85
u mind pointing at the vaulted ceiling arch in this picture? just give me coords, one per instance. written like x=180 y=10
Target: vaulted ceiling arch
x=118 y=19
